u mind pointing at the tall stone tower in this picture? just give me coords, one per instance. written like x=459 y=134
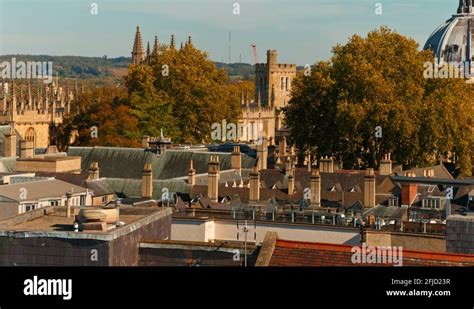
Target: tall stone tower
x=138 y=53
x=273 y=81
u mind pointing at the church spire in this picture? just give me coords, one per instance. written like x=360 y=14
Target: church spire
x=138 y=54
x=173 y=43
x=155 y=46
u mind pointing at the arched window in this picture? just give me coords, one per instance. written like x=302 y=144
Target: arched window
x=30 y=135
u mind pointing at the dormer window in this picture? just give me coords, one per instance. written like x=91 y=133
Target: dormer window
x=393 y=202
x=430 y=203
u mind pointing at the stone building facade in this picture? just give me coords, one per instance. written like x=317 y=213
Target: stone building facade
x=273 y=82
x=32 y=111
x=260 y=117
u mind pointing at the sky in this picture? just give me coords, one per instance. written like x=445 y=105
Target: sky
x=302 y=31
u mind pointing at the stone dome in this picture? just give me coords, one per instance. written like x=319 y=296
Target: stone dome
x=453 y=40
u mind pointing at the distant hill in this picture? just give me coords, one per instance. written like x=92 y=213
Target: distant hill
x=112 y=69
x=238 y=70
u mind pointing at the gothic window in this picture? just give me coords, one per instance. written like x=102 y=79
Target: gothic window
x=282 y=83
x=30 y=135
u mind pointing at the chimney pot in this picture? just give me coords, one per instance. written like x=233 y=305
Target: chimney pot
x=147 y=181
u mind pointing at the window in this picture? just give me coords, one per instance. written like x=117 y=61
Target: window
x=393 y=201
x=431 y=203
x=29 y=207
x=287 y=83
x=282 y=83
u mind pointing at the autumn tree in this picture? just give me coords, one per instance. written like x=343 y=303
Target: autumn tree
x=101 y=116
x=182 y=92
x=374 y=84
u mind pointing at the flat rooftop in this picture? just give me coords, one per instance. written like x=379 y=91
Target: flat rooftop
x=52 y=222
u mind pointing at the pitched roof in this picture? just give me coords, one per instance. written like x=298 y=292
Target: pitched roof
x=39 y=189
x=76 y=179
x=132 y=187
x=440 y=171
x=307 y=254
x=116 y=162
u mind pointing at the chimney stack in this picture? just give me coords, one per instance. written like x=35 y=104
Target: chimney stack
x=385 y=165
x=315 y=189
x=213 y=178
x=282 y=146
x=147 y=181
x=254 y=194
x=236 y=160
x=326 y=165
x=146 y=141
x=191 y=174
x=68 y=204
x=94 y=171
x=409 y=191
x=288 y=165
x=308 y=162
x=291 y=184
x=27 y=149
x=10 y=143
x=369 y=189
x=263 y=154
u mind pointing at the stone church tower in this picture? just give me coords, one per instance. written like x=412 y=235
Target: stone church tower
x=273 y=82
x=260 y=116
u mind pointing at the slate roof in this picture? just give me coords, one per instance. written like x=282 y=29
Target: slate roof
x=8 y=165
x=440 y=171
x=39 y=189
x=132 y=187
x=76 y=179
x=115 y=162
x=391 y=213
